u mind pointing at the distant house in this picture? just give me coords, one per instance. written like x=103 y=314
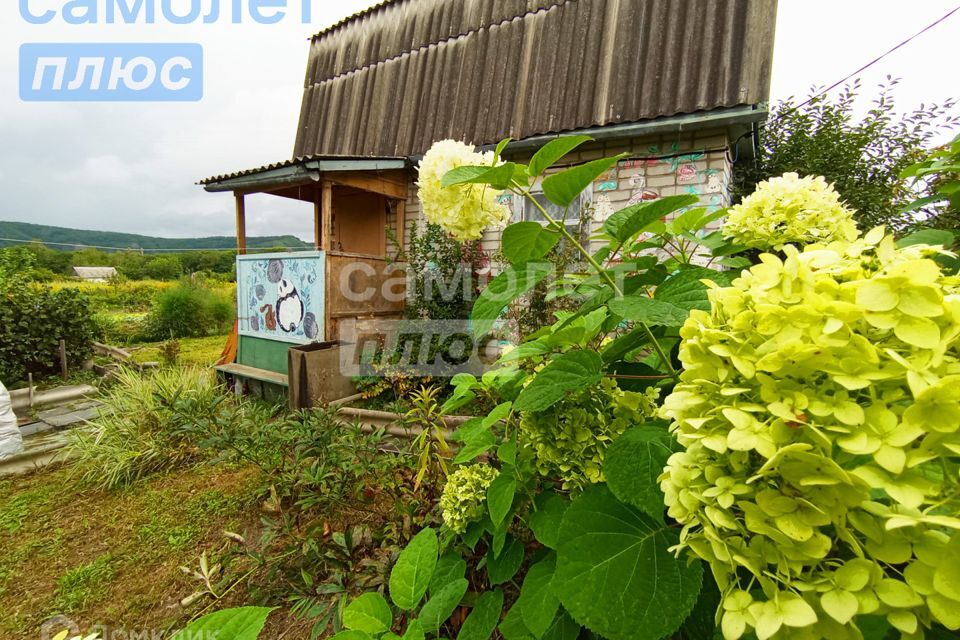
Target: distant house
x=94 y=274
x=678 y=85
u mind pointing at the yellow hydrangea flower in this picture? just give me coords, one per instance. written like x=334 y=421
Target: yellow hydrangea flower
x=790 y=210
x=462 y=210
x=818 y=415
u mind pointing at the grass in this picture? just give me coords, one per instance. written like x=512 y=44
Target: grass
x=193 y=351
x=83 y=584
x=112 y=558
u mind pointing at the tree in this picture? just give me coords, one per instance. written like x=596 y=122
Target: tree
x=863 y=158
x=167 y=267
x=939 y=173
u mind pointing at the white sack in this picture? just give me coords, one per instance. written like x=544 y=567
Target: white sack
x=10 y=441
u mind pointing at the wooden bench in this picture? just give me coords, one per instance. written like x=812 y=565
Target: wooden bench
x=253 y=373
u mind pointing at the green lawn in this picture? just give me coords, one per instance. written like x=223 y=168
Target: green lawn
x=112 y=557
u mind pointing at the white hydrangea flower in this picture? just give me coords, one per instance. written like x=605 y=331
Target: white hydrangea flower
x=462 y=210
x=790 y=210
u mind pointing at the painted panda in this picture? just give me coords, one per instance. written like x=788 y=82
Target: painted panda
x=289 y=307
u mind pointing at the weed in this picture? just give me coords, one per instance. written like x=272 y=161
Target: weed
x=84 y=584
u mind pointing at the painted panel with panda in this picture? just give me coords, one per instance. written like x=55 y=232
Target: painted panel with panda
x=281 y=296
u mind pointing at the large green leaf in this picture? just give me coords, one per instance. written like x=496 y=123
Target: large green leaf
x=525 y=241
x=632 y=465
x=545 y=521
x=369 y=612
x=512 y=627
x=510 y=284
x=620 y=347
x=615 y=572
x=414 y=631
x=684 y=289
x=538 y=603
x=477 y=442
x=242 y=623
x=442 y=604
x=553 y=151
x=626 y=223
x=641 y=308
x=572 y=370
x=928 y=236
x=450 y=567
x=563 y=188
x=563 y=628
x=701 y=623
x=500 y=497
x=481 y=622
x=414 y=568
x=498 y=177
x=503 y=567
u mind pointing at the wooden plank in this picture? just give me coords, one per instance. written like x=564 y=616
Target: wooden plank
x=361 y=219
x=326 y=215
x=254 y=373
x=401 y=224
x=329 y=330
x=352 y=277
x=392 y=184
x=241 y=224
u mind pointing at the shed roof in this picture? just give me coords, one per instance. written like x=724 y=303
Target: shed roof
x=94 y=273
x=393 y=79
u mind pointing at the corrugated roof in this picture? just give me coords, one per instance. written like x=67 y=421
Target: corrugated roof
x=295 y=161
x=399 y=76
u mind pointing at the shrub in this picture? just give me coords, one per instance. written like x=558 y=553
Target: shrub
x=188 y=311
x=862 y=157
x=33 y=320
x=443 y=274
x=818 y=412
x=147 y=423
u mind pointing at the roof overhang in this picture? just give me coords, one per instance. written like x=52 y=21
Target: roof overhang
x=296 y=172
x=737 y=120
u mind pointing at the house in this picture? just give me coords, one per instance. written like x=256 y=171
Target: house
x=94 y=274
x=679 y=85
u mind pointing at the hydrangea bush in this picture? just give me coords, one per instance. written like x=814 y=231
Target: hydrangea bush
x=819 y=410
x=790 y=209
x=809 y=453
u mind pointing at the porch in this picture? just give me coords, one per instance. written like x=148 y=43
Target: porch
x=297 y=298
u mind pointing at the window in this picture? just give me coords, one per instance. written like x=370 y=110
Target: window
x=526 y=210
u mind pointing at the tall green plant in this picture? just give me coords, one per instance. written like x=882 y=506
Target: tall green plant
x=862 y=156
x=541 y=516
x=33 y=320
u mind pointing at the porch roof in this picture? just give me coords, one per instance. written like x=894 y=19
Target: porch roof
x=298 y=171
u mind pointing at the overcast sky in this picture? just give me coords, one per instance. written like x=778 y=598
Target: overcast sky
x=132 y=167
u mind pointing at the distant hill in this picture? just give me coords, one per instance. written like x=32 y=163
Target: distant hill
x=69 y=238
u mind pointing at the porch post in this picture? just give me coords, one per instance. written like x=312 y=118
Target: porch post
x=241 y=223
x=317 y=220
x=326 y=214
